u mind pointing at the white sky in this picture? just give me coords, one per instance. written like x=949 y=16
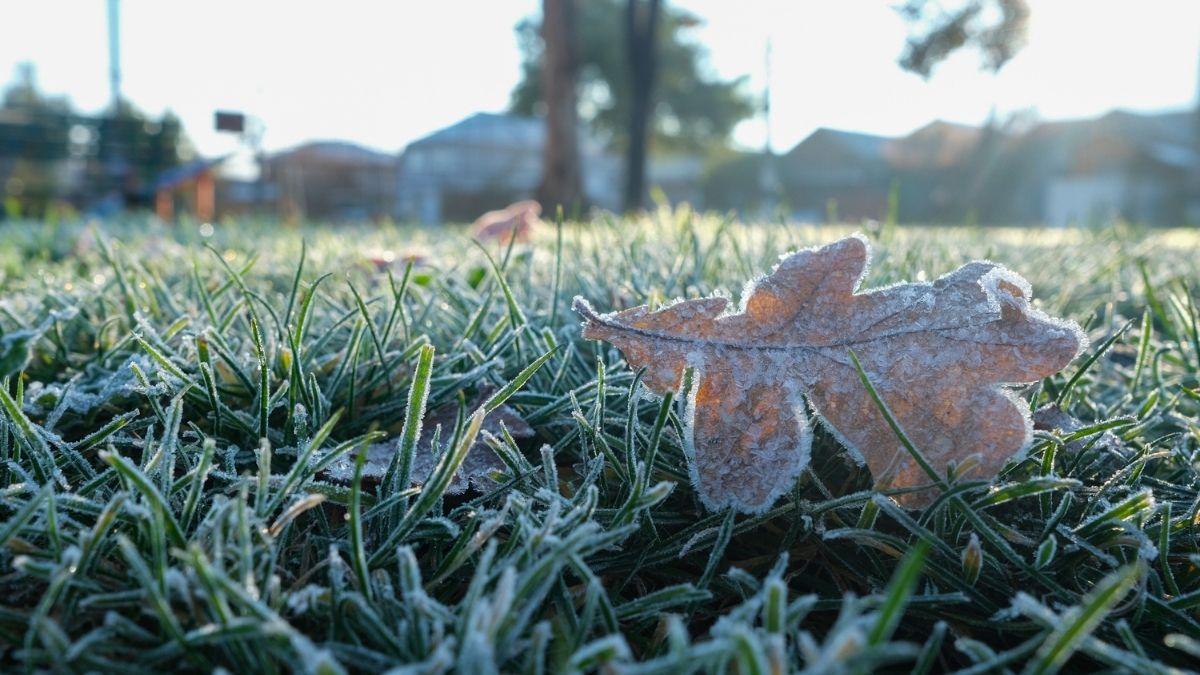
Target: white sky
x=383 y=74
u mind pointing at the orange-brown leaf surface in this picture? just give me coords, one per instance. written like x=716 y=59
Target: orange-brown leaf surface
x=938 y=353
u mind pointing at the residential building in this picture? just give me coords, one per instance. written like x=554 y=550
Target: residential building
x=1137 y=167
x=836 y=174
x=484 y=162
x=332 y=181
x=488 y=160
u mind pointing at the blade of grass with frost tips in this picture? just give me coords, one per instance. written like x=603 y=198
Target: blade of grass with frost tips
x=1026 y=488
x=929 y=652
x=433 y=489
x=1164 y=547
x=264 y=374
x=302 y=460
x=900 y=589
x=497 y=399
x=358 y=554
x=399 y=471
x=895 y=425
x=304 y=316
x=287 y=313
x=450 y=462
x=13 y=525
x=658 y=602
x=660 y=421
x=724 y=534
x=1143 y=352
x=1079 y=622
x=556 y=291
x=196 y=487
x=44 y=467
x=1099 y=427
x=1091 y=359
x=97 y=437
x=1138 y=503
x=398 y=296
x=516 y=316
x=161 y=359
x=370 y=323
x=149 y=492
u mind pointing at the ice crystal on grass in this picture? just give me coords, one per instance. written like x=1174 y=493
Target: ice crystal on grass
x=938 y=354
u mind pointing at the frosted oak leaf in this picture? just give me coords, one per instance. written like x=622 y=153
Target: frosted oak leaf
x=939 y=354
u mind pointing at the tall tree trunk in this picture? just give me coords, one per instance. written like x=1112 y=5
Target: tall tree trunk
x=562 y=182
x=641 y=32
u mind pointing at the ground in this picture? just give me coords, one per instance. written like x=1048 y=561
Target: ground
x=144 y=525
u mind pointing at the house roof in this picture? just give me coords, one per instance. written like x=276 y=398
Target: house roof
x=342 y=152
x=860 y=146
x=1115 y=139
x=492 y=129
x=1178 y=126
x=936 y=145
x=1103 y=143
x=178 y=175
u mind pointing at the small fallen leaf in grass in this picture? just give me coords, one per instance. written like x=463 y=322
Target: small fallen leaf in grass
x=480 y=460
x=382 y=260
x=521 y=217
x=938 y=353
x=1051 y=417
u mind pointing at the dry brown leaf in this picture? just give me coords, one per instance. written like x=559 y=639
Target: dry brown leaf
x=519 y=219
x=938 y=353
x=479 y=462
x=1053 y=418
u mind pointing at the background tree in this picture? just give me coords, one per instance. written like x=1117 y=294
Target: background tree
x=34 y=141
x=562 y=173
x=133 y=150
x=641 y=45
x=691 y=109
x=997 y=28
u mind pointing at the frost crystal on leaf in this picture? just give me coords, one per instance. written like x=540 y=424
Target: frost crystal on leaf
x=938 y=353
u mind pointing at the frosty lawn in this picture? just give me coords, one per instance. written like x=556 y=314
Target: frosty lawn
x=146 y=526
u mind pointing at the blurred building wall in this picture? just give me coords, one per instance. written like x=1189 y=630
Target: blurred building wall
x=1136 y=167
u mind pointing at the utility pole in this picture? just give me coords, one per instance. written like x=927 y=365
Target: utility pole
x=768 y=178
x=120 y=173
x=1192 y=213
x=114 y=52
x=767 y=147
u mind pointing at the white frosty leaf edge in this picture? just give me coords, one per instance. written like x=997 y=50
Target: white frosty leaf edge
x=990 y=282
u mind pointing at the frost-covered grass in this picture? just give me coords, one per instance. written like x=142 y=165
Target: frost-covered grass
x=144 y=526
